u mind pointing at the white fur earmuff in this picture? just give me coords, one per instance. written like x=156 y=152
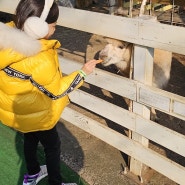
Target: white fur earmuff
x=37 y=27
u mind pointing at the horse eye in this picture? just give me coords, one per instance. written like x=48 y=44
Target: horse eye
x=121 y=47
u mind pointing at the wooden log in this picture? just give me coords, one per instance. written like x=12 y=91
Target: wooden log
x=176 y=2
x=167 y=2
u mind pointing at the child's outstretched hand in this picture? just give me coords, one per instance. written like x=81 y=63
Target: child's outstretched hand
x=89 y=66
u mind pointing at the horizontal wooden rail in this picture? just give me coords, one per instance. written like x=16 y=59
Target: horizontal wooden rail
x=141 y=32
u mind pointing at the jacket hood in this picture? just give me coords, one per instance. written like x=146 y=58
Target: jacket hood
x=17 y=40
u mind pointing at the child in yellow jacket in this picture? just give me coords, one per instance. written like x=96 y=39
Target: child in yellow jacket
x=33 y=92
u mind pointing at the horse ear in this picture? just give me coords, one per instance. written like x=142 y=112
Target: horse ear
x=124 y=43
x=109 y=40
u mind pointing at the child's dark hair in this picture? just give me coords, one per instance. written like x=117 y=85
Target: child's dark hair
x=29 y=8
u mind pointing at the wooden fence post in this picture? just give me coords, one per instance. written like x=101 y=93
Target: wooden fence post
x=143 y=72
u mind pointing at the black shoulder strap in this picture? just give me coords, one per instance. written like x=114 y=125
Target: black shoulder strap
x=17 y=74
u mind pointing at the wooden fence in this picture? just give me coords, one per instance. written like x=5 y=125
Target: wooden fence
x=146 y=36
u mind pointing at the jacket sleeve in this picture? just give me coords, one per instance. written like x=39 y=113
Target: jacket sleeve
x=71 y=82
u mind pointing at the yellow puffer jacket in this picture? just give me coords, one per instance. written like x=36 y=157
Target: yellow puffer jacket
x=22 y=105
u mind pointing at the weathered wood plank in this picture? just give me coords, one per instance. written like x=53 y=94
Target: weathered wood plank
x=162 y=135
x=153 y=99
x=162 y=100
x=8 y=6
x=141 y=29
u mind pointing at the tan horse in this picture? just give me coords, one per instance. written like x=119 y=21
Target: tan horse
x=119 y=53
